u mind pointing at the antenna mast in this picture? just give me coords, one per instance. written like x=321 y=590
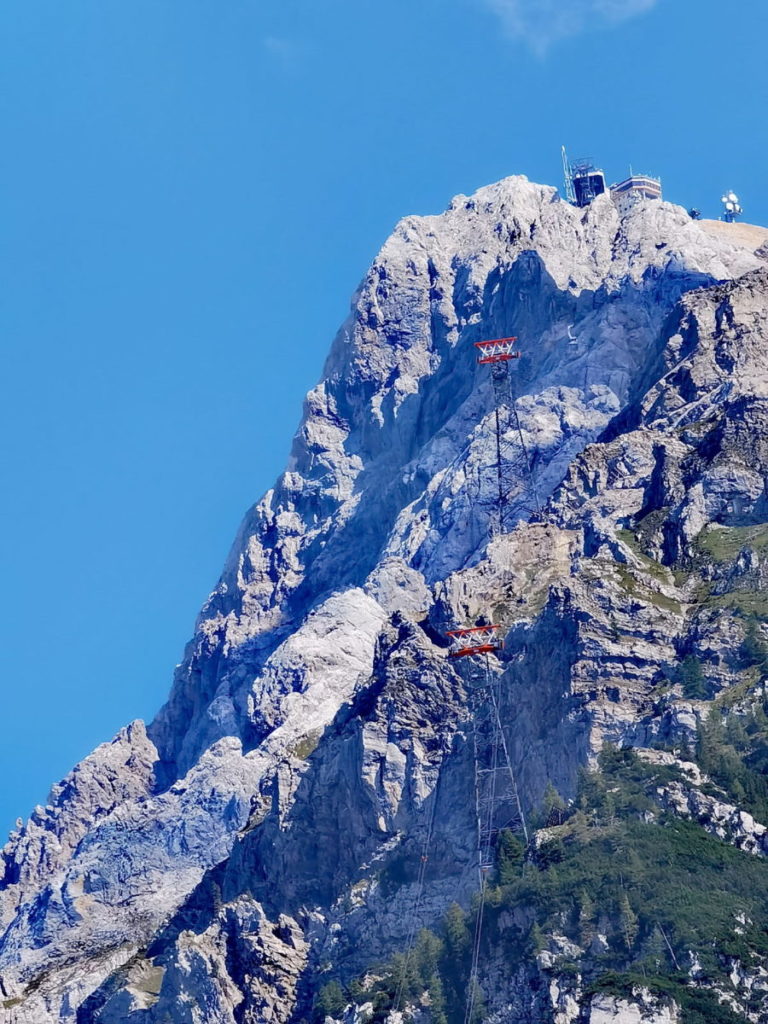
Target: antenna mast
x=570 y=195
x=731 y=207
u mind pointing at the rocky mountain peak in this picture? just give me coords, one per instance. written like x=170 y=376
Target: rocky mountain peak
x=259 y=838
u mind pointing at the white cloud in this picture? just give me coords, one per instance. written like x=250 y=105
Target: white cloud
x=540 y=23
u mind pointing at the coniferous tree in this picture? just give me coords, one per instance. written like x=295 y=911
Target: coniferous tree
x=655 y=953
x=627 y=922
x=356 y=991
x=437 y=1001
x=330 y=1000
x=427 y=954
x=456 y=932
x=510 y=854
x=580 y=825
x=586 y=909
x=553 y=805
x=405 y=975
x=691 y=678
x=536 y=938
x=479 y=1011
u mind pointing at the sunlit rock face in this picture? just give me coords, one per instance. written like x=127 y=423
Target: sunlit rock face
x=221 y=864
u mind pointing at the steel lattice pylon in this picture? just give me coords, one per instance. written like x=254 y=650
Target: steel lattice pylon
x=497 y=797
x=513 y=460
x=497 y=800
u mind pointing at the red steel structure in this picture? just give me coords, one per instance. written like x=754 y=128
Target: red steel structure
x=477 y=640
x=498 y=350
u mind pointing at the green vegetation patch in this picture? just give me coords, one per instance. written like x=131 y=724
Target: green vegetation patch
x=306 y=746
x=642 y=592
x=744 y=602
x=724 y=543
x=638 y=890
x=734 y=753
x=656 y=569
x=654 y=887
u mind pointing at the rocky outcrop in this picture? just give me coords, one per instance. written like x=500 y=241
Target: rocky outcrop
x=716 y=816
x=643 y=1008
x=266 y=834
x=114 y=774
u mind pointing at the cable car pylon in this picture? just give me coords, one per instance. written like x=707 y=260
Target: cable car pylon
x=497 y=798
x=513 y=460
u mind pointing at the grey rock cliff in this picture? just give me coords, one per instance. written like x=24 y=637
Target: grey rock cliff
x=264 y=833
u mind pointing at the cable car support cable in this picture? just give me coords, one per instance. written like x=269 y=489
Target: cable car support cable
x=416 y=905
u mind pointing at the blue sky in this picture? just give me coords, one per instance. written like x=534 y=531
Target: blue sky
x=190 y=191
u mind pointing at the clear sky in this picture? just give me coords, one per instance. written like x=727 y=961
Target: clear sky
x=190 y=191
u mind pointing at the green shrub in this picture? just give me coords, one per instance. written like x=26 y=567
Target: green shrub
x=691 y=677
x=330 y=1000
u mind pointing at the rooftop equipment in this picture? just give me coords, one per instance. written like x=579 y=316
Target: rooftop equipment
x=583 y=181
x=731 y=207
x=588 y=182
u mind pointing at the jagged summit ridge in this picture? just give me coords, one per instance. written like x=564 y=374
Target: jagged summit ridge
x=287 y=722
x=394 y=435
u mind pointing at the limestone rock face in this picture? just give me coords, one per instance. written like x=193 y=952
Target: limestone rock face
x=644 y=1009
x=115 y=773
x=264 y=834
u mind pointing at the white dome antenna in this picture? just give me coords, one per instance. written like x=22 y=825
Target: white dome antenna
x=731 y=207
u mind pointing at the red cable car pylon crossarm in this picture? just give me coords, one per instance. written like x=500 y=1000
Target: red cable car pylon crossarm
x=498 y=350
x=476 y=640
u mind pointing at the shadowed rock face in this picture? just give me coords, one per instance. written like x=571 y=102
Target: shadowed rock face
x=267 y=827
